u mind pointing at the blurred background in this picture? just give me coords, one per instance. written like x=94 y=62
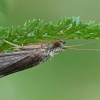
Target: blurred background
x=71 y=75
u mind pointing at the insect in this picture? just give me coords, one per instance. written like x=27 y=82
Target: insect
x=27 y=57
x=32 y=55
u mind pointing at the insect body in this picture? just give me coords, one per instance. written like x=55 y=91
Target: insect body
x=32 y=55
x=27 y=58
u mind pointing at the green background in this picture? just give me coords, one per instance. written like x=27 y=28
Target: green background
x=70 y=75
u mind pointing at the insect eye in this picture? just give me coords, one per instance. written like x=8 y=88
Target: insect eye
x=56 y=44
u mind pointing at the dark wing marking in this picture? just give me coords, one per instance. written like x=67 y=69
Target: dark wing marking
x=17 y=61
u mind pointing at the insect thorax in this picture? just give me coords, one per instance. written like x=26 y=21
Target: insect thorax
x=52 y=49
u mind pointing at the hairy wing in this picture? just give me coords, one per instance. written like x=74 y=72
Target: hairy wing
x=17 y=61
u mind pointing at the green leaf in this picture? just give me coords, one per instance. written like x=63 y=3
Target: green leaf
x=35 y=31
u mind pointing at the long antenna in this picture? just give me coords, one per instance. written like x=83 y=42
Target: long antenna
x=72 y=47
x=65 y=47
x=84 y=44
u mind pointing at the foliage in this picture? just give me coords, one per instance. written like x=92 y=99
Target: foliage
x=35 y=31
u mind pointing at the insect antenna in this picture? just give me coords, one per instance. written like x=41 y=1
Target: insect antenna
x=72 y=47
x=85 y=44
x=80 y=49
